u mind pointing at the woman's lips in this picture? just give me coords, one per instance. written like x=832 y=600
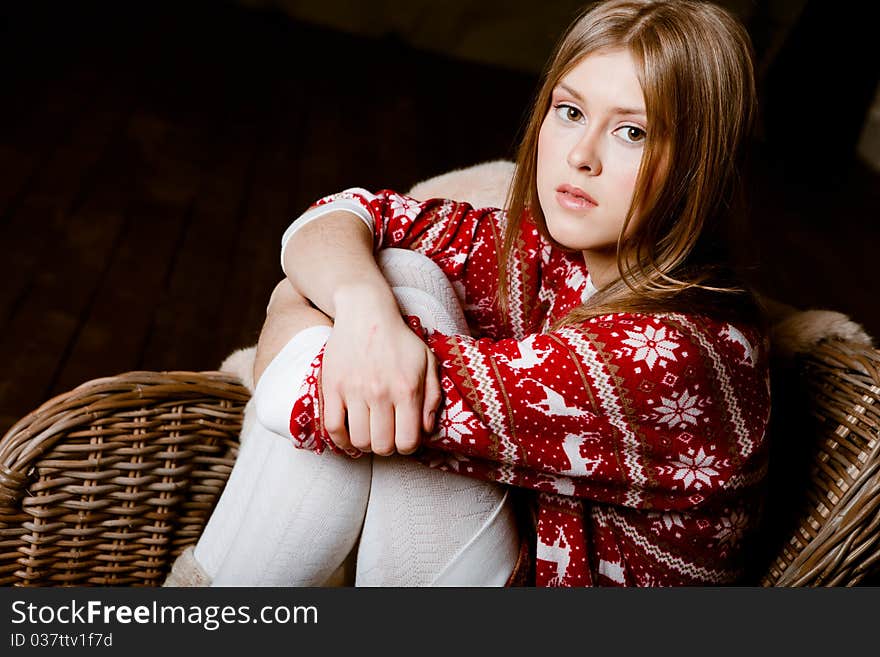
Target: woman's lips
x=572 y=198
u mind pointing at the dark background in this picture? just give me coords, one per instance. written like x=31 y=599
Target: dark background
x=152 y=153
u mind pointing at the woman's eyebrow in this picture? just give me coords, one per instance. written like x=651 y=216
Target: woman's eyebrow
x=628 y=111
x=571 y=91
x=635 y=111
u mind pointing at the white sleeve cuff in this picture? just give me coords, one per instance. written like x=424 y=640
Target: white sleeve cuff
x=277 y=389
x=338 y=205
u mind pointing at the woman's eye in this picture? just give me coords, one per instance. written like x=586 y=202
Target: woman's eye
x=568 y=112
x=631 y=134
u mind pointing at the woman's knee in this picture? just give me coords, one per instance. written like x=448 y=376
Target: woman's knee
x=284 y=297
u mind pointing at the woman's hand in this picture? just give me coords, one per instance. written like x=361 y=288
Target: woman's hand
x=379 y=379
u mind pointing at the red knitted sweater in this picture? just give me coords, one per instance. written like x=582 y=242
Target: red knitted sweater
x=644 y=435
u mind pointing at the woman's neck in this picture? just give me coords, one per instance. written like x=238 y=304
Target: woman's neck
x=602 y=267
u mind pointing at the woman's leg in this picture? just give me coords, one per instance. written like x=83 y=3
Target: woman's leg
x=302 y=519
x=424 y=526
x=288 y=517
x=427 y=527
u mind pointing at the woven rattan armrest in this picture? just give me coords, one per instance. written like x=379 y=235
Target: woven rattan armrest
x=106 y=484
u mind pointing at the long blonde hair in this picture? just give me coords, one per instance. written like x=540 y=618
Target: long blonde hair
x=694 y=62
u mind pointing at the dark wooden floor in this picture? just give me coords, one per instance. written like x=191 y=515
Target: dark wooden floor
x=150 y=162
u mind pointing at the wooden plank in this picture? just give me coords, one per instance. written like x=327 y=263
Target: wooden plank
x=110 y=335
x=187 y=314
x=40 y=331
x=170 y=139
x=71 y=261
x=43 y=213
x=477 y=118
x=268 y=212
x=47 y=89
x=171 y=131
x=42 y=120
x=76 y=251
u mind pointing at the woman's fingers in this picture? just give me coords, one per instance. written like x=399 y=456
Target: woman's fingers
x=334 y=421
x=407 y=429
x=384 y=379
x=359 y=425
x=382 y=429
x=433 y=395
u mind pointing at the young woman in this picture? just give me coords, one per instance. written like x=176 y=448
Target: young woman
x=615 y=366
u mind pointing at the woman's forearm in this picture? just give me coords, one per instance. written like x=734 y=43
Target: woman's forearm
x=330 y=261
x=287 y=314
x=379 y=380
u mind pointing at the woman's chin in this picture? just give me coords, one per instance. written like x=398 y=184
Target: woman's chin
x=567 y=240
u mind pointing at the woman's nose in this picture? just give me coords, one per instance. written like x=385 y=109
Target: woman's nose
x=584 y=154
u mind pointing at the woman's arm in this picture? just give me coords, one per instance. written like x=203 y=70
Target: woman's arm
x=463 y=241
x=380 y=383
x=332 y=260
x=287 y=313
x=635 y=410
x=645 y=411
x=379 y=380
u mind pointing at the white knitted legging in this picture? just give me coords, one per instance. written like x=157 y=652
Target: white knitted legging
x=289 y=517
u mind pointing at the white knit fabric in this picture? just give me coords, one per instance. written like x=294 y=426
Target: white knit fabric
x=289 y=517
x=282 y=378
x=427 y=527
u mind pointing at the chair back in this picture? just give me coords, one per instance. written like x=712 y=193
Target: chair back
x=822 y=520
x=106 y=484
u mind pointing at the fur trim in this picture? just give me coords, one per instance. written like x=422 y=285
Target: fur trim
x=186 y=571
x=241 y=363
x=482 y=185
x=800 y=331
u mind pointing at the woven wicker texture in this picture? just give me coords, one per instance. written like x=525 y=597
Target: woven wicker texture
x=831 y=462
x=108 y=483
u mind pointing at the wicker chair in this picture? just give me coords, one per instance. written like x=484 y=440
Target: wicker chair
x=106 y=484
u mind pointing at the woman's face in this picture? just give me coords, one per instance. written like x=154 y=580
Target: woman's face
x=589 y=150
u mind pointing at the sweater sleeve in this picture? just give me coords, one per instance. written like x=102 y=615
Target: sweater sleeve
x=463 y=241
x=644 y=411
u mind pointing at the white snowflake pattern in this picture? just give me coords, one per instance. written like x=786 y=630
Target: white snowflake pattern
x=694 y=469
x=668 y=519
x=679 y=411
x=448 y=461
x=405 y=207
x=732 y=528
x=457 y=258
x=651 y=345
x=454 y=422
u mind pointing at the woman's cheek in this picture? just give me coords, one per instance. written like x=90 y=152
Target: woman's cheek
x=627 y=187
